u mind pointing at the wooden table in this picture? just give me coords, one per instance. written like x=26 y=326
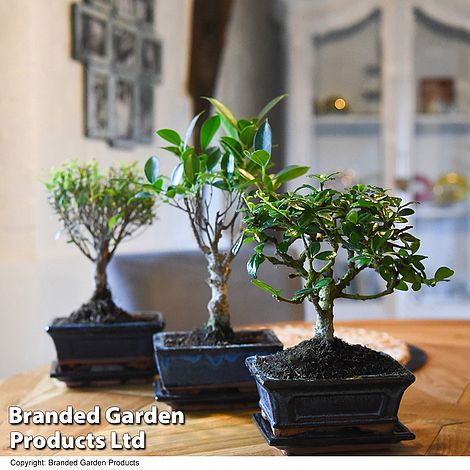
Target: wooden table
x=436 y=407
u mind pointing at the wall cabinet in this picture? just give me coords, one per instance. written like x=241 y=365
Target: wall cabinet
x=380 y=90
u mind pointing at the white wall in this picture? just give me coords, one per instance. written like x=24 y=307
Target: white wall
x=41 y=111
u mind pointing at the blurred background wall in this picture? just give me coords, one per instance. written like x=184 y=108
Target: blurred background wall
x=401 y=73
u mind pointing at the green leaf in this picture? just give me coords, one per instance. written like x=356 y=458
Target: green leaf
x=443 y=273
x=270 y=106
x=113 y=221
x=177 y=174
x=323 y=282
x=208 y=130
x=314 y=248
x=222 y=109
x=266 y=287
x=263 y=138
x=325 y=255
x=228 y=164
x=213 y=158
x=221 y=184
x=238 y=244
x=170 y=136
x=151 y=169
x=247 y=175
x=260 y=157
x=289 y=173
x=401 y=285
x=247 y=135
x=253 y=265
x=190 y=130
x=405 y=212
x=353 y=216
x=191 y=166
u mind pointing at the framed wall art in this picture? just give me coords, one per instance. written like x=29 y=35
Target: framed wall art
x=122 y=57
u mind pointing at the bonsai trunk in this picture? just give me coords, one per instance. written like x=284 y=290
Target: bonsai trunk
x=102 y=290
x=324 y=322
x=218 y=323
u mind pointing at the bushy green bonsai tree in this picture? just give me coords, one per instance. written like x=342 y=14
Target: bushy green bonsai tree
x=98 y=210
x=365 y=222
x=208 y=184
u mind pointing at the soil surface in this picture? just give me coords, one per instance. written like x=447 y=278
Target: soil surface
x=320 y=359
x=102 y=311
x=200 y=337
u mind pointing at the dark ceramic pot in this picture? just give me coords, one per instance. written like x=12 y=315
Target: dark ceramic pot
x=127 y=344
x=210 y=367
x=337 y=403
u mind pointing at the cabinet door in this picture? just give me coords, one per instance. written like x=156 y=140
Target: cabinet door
x=347 y=102
x=440 y=163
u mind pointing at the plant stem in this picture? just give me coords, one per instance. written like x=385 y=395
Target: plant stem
x=219 y=313
x=324 y=306
x=101 y=277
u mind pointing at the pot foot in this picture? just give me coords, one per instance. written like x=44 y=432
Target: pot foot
x=327 y=441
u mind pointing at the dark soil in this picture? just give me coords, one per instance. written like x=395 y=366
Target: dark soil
x=200 y=337
x=320 y=359
x=97 y=310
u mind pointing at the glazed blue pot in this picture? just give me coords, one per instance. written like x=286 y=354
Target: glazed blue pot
x=210 y=367
x=333 y=403
x=127 y=343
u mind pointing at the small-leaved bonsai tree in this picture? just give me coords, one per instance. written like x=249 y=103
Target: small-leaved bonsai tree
x=98 y=210
x=311 y=226
x=208 y=184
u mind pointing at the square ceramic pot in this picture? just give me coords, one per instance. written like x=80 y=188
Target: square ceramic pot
x=90 y=344
x=183 y=368
x=334 y=403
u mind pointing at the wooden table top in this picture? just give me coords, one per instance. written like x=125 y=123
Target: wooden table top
x=436 y=407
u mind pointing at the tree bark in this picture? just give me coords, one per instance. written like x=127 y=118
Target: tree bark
x=324 y=324
x=219 y=313
x=101 y=278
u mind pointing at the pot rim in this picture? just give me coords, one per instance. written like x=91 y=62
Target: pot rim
x=154 y=318
x=407 y=378
x=159 y=342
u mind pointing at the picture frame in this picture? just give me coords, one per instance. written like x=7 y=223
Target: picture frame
x=123 y=110
x=124 y=9
x=97 y=102
x=125 y=41
x=122 y=58
x=145 y=114
x=436 y=95
x=145 y=12
x=91 y=35
x=105 y=5
x=151 y=58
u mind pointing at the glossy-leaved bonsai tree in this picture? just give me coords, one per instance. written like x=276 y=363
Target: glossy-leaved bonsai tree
x=313 y=226
x=208 y=184
x=98 y=210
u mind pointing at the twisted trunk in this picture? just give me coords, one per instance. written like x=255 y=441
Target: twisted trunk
x=102 y=290
x=324 y=323
x=219 y=313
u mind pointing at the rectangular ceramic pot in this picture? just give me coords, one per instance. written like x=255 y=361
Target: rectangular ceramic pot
x=127 y=343
x=333 y=403
x=210 y=367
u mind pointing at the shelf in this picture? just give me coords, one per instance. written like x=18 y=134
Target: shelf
x=346 y=123
x=458 y=120
x=347 y=119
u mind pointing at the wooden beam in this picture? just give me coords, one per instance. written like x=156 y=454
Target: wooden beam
x=210 y=19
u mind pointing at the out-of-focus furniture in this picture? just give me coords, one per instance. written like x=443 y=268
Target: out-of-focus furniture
x=175 y=284
x=380 y=91
x=436 y=407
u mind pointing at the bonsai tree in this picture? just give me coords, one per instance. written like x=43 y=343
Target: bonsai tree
x=364 y=222
x=98 y=211
x=208 y=184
